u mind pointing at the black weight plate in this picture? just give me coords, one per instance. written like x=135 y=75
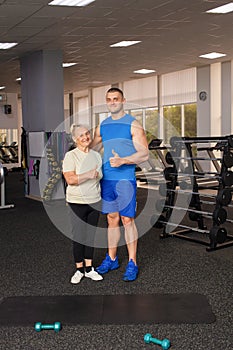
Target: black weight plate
x=228 y=159
x=228 y=178
x=220 y=215
x=224 y=197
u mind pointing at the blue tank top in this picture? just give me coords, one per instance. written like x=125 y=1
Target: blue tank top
x=116 y=135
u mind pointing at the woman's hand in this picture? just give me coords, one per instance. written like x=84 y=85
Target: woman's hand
x=93 y=173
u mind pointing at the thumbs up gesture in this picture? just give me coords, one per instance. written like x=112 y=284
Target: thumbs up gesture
x=115 y=154
x=116 y=161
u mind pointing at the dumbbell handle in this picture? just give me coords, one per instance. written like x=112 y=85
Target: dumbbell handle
x=165 y=343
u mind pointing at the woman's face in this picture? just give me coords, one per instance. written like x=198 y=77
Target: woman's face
x=83 y=137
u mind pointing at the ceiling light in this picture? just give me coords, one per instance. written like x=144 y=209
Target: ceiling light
x=125 y=43
x=70 y=2
x=5 y=46
x=18 y=79
x=222 y=9
x=144 y=71
x=65 y=65
x=2 y=87
x=213 y=55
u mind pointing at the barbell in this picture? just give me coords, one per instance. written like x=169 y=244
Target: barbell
x=228 y=140
x=223 y=197
x=217 y=234
x=219 y=215
x=227 y=158
x=170 y=174
x=169 y=158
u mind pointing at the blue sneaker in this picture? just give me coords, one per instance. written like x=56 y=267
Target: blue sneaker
x=108 y=265
x=131 y=272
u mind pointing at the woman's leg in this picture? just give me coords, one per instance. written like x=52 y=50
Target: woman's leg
x=78 y=231
x=92 y=222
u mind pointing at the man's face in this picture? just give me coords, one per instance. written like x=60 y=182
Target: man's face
x=115 y=102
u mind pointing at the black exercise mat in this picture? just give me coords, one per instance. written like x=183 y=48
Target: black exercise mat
x=106 y=309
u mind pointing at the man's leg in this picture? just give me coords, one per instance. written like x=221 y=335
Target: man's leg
x=131 y=237
x=113 y=234
x=111 y=261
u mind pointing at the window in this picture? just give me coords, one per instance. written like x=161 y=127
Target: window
x=172 y=122
x=138 y=114
x=152 y=124
x=190 y=120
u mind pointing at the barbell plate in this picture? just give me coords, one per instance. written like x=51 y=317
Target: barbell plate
x=230 y=140
x=220 y=215
x=193 y=216
x=228 y=159
x=227 y=178
x=224 y=197
x=218 y=235
x=169 y=158
x=221 y=235
x=169 y=173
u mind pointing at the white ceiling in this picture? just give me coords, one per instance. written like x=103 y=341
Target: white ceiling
x=173 y=34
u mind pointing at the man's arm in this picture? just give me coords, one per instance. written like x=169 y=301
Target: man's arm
x=140 y=144
x=96 y=143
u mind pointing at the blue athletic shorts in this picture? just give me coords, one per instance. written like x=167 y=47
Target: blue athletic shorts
x=119 y=196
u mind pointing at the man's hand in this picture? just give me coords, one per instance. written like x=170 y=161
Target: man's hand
x=116 y=161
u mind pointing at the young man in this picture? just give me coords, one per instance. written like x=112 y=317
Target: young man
x=125 y=145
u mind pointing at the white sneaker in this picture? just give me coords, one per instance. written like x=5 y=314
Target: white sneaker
x=76 y=278
x=93 y=275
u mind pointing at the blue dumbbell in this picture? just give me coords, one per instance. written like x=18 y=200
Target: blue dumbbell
x=165 y=343
x=56 y=326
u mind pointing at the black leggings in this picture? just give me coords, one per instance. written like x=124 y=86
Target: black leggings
x=84 y=219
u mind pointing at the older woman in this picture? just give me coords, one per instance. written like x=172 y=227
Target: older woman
x=82 y=172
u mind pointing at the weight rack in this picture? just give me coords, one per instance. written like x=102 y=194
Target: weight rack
x=190 y=181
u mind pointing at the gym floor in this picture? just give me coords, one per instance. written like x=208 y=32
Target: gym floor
x=36 y=259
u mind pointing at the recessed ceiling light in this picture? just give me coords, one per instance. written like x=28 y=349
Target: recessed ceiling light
x=65 y=65
x=2 y=87
x=70 y=2
x=5 y=46
x=213 y=55
x=125 y=43
x=222 y=9
x=144 y=71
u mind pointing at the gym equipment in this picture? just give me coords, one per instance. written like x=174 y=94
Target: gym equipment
x=56 y=326
x=228 y=159
x=146 y=309
x=190 y=181
x=2 y=183
x=56 y=174
x=223 y=197
x=165 y=343
x=224 y=140
x=219 y=214
x=170 y=174
x=220 y=234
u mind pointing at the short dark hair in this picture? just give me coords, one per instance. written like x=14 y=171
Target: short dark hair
x=116 y=89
